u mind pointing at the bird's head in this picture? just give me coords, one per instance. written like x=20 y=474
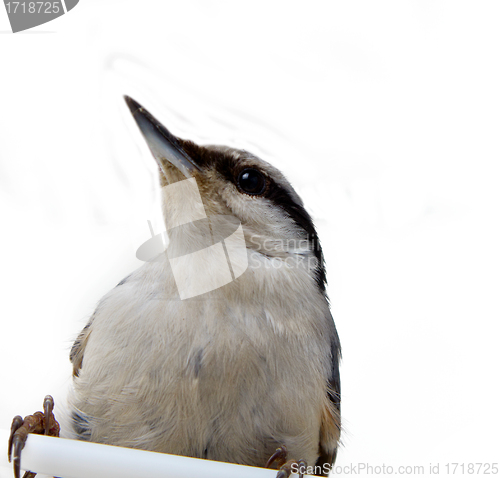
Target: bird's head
x=234 y=183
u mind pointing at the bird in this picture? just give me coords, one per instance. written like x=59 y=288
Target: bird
x=230 y=356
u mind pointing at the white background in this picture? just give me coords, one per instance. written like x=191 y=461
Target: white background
x=385 y=117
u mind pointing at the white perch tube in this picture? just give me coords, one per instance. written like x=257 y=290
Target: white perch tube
x=78 y=459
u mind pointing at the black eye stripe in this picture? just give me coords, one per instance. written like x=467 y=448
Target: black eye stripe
x=251 y=181
x=281 y=198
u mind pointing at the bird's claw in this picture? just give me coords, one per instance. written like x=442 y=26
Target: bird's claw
x=290 y=466
x=40 y=423
x=16 y=423
x=302 y=467
x=286 y=467
x=48 y=407
x=278 y=457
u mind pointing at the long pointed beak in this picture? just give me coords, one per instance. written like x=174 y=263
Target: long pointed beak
x=163 y=144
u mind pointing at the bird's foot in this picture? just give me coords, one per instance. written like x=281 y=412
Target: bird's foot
x=292 y=466
x=41 y=423
x=279 y=458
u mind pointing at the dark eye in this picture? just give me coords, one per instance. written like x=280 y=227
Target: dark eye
x=252 y=181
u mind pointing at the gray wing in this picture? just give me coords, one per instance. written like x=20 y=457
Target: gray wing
x=76 y=354
x=331 y=424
